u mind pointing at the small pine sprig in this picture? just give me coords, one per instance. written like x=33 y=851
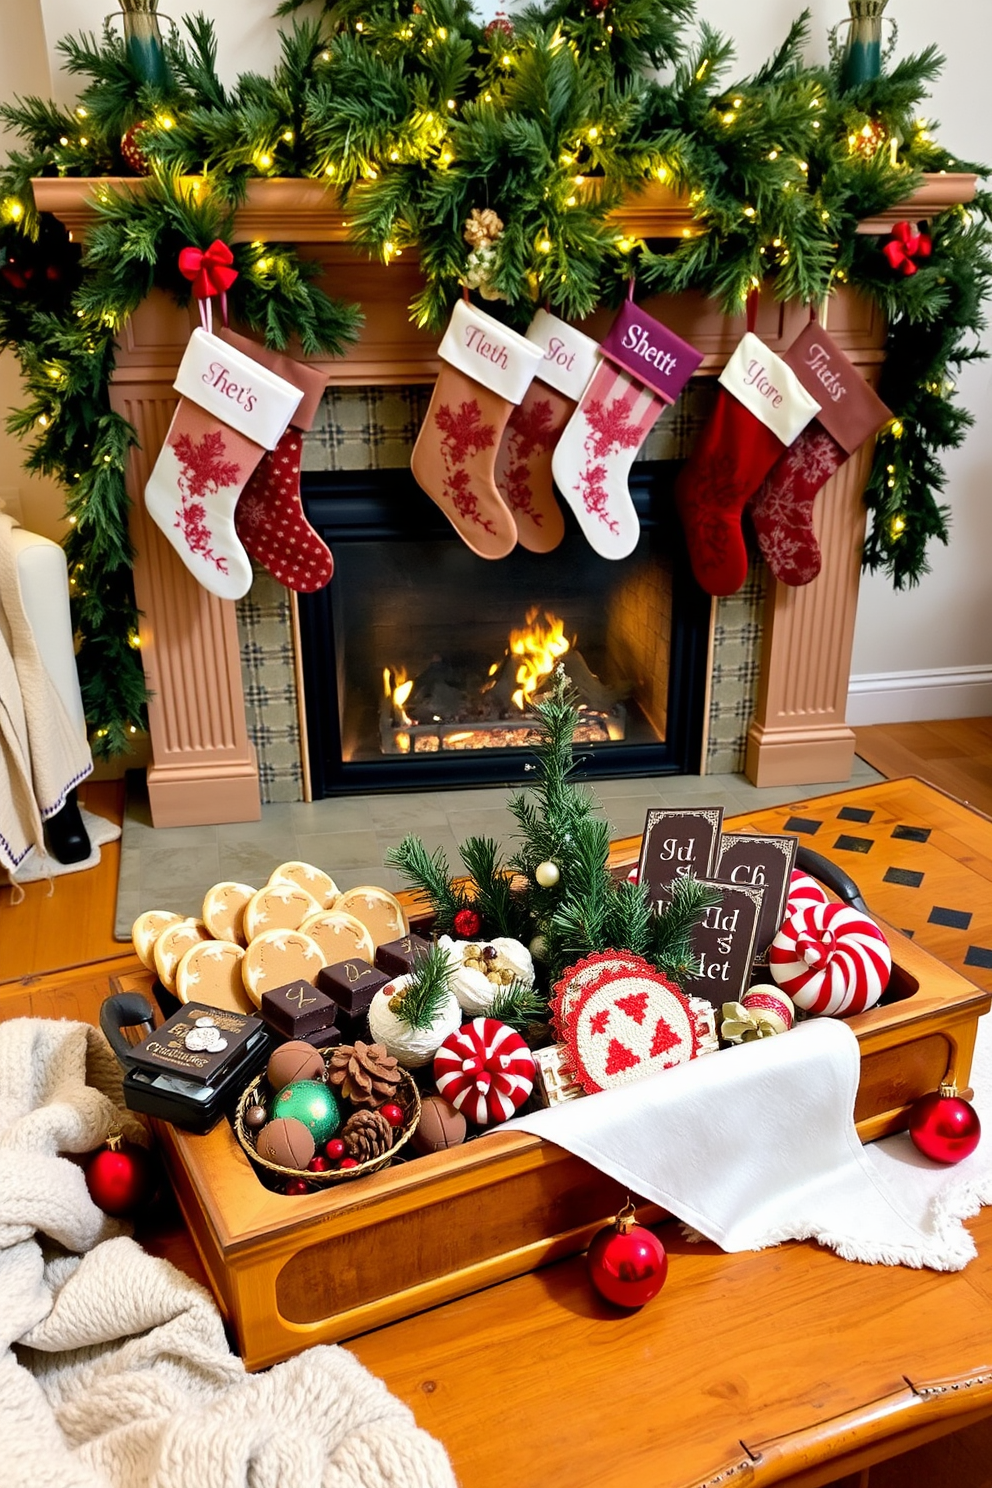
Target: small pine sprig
x=431 y=875
x=502 y=911
x=428 y=990
x=668 y=945
x=523 y=1009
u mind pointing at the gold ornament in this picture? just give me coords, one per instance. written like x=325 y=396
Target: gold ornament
x=482 y=228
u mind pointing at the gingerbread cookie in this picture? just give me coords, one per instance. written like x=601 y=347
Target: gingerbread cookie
x=224 y=911
x=340 y=936
x=210 y=972
x=277 y=957
x=171 y=946
x=318 y=884
x=146 y=930
x=279 y=906
x=379 y=911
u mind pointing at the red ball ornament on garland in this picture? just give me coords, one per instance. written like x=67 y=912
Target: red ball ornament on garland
x=119 y=1176
x=596 y=7
x=467 y=923
x=944 y=1126
x=131 y=152
x=627 y=1263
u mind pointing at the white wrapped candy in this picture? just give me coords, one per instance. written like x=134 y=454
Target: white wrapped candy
x=413 y=1047
x=477 y=976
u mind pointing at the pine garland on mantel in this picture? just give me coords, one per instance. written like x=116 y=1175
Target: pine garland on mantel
x=415 y=114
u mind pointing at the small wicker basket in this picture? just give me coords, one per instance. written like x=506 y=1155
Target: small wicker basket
x=407 y=1098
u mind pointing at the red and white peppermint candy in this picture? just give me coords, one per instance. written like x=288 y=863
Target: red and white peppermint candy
x=803 y=890
x=831 y=959
x=485 y=1070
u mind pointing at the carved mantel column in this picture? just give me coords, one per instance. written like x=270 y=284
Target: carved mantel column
x=203 y=766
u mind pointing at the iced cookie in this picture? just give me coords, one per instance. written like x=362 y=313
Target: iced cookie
x=279 y=906
x=277 y=957
x=211 y=972
x=146 y=930
x=171 y=946
x=314 y=880
x=340 y=936
x=379 y=911
x=224 y=911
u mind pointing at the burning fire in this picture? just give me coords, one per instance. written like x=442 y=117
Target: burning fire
x=538 y=645
x=397 y=688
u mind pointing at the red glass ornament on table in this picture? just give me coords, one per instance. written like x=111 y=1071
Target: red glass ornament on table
x=944 y=1126
x=627 y=1263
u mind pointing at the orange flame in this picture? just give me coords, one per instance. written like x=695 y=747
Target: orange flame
x=397 y=688
x=538 y=646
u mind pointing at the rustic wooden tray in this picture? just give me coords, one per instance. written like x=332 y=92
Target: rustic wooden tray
x=289 y=1272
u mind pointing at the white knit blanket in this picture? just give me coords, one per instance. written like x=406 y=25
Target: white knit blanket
x=757 y=1144
x=114 y=1368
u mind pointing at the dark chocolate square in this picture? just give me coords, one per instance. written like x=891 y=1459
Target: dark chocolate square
x=296 y=1009
x=324 y=1038
x=909 y=878
x=397 y=957
x=954 y=919
x=352 y=984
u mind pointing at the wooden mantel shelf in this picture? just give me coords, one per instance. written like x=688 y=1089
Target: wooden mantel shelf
x=298 y=210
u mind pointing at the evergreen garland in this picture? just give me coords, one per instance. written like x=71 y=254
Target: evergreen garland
x=417 y=115
x=429 y=989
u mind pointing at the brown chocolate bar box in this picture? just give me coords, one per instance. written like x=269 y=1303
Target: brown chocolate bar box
x=199 y=1042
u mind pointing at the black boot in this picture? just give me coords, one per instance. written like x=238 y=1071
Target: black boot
x=67 y=837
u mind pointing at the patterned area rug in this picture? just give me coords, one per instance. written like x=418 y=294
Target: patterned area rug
x=922 y=860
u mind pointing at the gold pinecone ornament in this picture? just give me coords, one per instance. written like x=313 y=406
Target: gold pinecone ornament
x=367 y=1135
x=364 y=1074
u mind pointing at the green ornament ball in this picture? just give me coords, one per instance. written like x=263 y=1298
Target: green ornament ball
x=312 y=1103
x=547 y=875
x=538 y=948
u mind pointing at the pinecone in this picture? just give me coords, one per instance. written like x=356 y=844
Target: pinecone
x=363 y=1074
x=366 y=1135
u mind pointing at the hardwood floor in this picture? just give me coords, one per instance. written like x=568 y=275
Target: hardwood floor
x=954 y=755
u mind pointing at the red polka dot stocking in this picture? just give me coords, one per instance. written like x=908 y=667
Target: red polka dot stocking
x=271 y=524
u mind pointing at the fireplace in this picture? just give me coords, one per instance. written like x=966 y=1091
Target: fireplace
x=421 y=662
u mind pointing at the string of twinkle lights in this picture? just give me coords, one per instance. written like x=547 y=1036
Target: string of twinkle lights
x=416 y=115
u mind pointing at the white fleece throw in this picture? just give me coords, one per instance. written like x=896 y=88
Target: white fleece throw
x=757 y=1144
x=114 y=1368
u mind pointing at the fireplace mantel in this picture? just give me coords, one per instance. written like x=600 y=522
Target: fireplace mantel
x=203 y=766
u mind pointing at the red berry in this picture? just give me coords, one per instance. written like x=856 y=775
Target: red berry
x=334 y=1148
x=318 y=1164
x=348 y=1162
x=393 y=1114
x=296 y=1186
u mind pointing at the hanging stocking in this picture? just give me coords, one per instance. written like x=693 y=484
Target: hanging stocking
x=760 y=410
x=487 y=370
x=644 y=368
x=269 y=517
x=782 y=508
x=231 y=410
x=523 y=464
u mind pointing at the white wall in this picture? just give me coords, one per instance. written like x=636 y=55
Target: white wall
x=924 y=635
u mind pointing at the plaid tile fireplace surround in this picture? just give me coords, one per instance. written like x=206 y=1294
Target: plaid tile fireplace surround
x=375 y=428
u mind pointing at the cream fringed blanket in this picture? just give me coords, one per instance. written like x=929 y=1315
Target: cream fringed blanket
x=115 y=1371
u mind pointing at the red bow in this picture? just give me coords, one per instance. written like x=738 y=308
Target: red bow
x=905 y=245
x=209 y=269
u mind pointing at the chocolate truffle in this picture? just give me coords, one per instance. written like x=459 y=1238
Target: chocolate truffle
x=296 y=1060
x=256 y=1117
x=352 y=984
x=440 y=1126
x=287 y=1142
x=297 y=1009
x=397 y=957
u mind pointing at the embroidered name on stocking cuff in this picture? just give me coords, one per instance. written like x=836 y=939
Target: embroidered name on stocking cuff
x=852 y=411
x=499 y=358
x=769 y=389
x=236 y=390
x=569 y=357
x=650 y=352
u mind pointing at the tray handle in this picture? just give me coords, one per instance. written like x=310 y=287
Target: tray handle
x=124 y=1010
x=834 y=877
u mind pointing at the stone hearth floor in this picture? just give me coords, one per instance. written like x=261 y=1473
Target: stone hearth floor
x=172 y=867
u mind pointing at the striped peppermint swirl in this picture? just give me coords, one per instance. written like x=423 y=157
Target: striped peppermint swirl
x=831 y=959
x=485 y=1070
x=803 y=890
